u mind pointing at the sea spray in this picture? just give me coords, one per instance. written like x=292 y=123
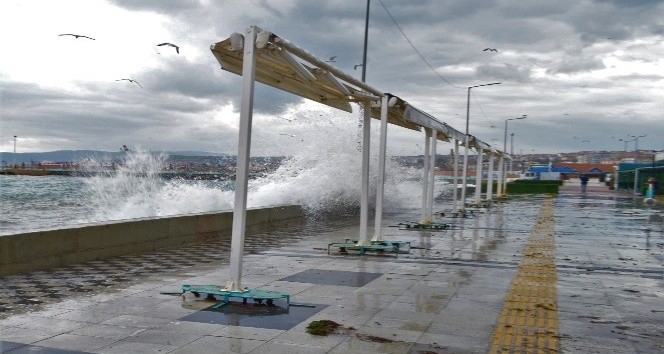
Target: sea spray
x=324 y=173
x=135 y=189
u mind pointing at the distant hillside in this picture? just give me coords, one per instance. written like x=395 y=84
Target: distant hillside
x=79 y=155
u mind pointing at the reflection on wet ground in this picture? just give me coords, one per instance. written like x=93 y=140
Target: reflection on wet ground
x=444 y=296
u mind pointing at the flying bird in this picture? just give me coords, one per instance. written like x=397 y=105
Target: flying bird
x=75 y=35
x=177 y=49
x=130 y=80
x=490 y=49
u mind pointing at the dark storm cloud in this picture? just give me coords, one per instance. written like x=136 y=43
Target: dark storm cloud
x=632 y=3
x=549 y=56
x=164 y=6
x=505 y=72
x=200 y=79
x=573 y=65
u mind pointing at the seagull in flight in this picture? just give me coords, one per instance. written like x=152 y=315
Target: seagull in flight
x=130 y=80
x=490 y=49
x=177 y=49
x=75 y=35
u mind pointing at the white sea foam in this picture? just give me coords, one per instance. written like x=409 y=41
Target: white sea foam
x=323 y=176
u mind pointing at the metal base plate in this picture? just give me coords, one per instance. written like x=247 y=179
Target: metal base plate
x=375 y=246
x=412 y=225
x=256 y=295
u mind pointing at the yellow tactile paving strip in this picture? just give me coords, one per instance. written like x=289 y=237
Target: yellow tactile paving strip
x=528 y=322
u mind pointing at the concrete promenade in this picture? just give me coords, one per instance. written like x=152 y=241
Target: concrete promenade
x=576 y=273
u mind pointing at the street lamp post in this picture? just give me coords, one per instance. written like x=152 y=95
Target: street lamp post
x=366 y=38
x=504 y=172
x=636 y=146
x=511 y=151
x=625 y=141
x=466 y=142
x=14 y=156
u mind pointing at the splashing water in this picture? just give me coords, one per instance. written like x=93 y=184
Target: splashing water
x=323 y=177
x=135 y=189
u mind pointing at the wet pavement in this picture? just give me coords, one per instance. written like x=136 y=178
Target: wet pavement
x=578 y=273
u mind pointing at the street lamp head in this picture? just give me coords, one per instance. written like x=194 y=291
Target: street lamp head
x=522 y=117
x=493 y=83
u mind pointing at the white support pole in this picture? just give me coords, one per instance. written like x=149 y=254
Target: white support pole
x=425 y=173
x=381 y=170
x=636 y=182
x=489 y=182
x=455 y=178
x=501 y=174
x=364 y=192
x=478 y=176
x=430 y=185
x=242 y=169
x=464 y=174
x=505 y=176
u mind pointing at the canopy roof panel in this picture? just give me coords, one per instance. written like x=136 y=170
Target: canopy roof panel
x=282 y=65
x=286 y=67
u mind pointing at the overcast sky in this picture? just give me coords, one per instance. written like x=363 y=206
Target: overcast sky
x=588 y=74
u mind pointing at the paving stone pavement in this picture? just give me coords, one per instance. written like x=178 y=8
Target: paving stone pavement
x=444 y=296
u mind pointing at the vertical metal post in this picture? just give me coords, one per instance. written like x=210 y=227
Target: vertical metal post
x=366 y=40
x=511 y=152
x=364 y=192
x=499 y=185
x=14 y=155
x=636 y=182
x=478 y=176
x=242 y=169
x=504 y=169
x=432 y=165
x=489 y=182
x=425 y=172
x=381 y=170
x=465 y=155
x=455 y=178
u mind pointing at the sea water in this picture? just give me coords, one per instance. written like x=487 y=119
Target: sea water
x=324 y=177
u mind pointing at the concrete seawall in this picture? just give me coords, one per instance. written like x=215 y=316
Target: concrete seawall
x=46 y=249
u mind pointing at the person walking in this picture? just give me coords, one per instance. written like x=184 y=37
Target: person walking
x=652 y=187
x=584 y=182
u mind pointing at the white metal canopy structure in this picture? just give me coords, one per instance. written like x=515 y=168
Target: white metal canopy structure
x=401 y=113
x=262 y=56
x=282 y=65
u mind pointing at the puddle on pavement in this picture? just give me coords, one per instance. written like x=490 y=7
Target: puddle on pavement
x=236 y=313
x=333 y=277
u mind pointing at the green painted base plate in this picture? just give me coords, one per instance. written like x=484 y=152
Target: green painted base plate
x=256 y=295
x=412 y=225
x=375 y=246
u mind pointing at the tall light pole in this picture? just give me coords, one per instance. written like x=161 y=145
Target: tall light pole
x=366 y=39
x=466 y=141
x=364 y=72
x=636 y=146
x=505 y=150
x=14 y=156
x=511 y=151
